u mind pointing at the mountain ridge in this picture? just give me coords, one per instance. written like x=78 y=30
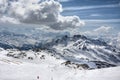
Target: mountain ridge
x=71 y=48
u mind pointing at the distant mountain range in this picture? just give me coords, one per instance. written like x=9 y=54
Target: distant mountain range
x=74 y=48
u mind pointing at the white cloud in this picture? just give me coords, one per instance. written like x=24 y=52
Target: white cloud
x=9 y=20
x=118 y=40
x=101 y=31
x=115 y=40
x=119 y=35
x=102 y=20
x=44 y=13
x=94 y=15
x=64 y=0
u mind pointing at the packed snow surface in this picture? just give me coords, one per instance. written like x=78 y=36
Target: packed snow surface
x=49 y=69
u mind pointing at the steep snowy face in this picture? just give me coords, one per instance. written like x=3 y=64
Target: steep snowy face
x=80 y=47
x=64 y=41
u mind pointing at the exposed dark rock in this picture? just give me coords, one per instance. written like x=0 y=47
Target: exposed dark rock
x=75 y=65
x=31 y=58
x=101 y=64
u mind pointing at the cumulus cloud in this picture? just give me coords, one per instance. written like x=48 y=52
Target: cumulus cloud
x=47 y=13
x=100 y=31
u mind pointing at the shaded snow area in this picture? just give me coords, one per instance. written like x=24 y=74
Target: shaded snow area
x=47 y=67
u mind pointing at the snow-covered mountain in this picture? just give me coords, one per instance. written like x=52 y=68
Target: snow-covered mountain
x=55 y=57
x=47 y=67
x=74 y=50
x=80 y=47
x=12 y=40
x=92 y=49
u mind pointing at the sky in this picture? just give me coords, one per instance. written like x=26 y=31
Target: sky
x=96 y=13
x=89 y=17
x=93 y=9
